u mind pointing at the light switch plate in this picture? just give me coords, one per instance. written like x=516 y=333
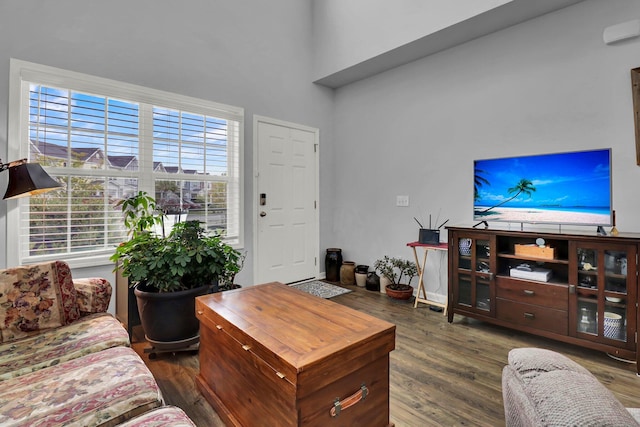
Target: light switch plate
x=402 y=201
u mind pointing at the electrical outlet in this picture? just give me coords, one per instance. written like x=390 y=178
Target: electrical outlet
x=402 y=201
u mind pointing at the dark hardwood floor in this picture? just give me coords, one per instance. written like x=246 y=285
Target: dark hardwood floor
x=441 y=374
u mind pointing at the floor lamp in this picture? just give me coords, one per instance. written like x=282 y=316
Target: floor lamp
x=27 y=179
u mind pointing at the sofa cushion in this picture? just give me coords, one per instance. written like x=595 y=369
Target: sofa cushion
x=519 y=411
x=165 y=416
x=94 y=294
x=36 y=297
x=564 y=398
x=100 y=389
x=545 y=388
x=531 y=362
x=635 y=413
x=53 y=346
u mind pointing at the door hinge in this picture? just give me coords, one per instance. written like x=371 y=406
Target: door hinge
x=315 y=148
x=315 y=204
x=315 y=261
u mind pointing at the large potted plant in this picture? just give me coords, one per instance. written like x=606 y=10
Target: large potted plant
x=226 y=280
x=168 y=272
x=399 y=272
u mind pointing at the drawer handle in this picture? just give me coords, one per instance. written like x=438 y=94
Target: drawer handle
x=280 y=375
x=219 y=327
x=529 y=315
x=200 y=312
x=246 y=347
x=356 y=397
x=529 y=292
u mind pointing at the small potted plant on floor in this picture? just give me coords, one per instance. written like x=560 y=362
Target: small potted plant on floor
x=383 y=267
x=399 y=272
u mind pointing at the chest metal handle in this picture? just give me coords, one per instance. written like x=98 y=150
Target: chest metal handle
x=341 y=405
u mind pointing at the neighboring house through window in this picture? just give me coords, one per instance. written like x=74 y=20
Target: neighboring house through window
x=104 y=141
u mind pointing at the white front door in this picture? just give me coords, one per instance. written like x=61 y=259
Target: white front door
x=286 y=201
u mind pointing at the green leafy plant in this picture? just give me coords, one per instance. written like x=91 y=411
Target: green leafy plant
x=385 y=268
x=140 y=213
x=399 y=271
x=232 y=267
x=188 y=258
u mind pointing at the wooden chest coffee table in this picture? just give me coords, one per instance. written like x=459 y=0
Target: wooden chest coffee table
x=271 y=355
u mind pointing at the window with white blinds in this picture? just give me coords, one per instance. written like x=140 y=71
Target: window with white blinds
x=105 y=141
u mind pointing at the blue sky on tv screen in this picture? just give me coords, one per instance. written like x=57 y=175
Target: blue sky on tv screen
x=580 y=179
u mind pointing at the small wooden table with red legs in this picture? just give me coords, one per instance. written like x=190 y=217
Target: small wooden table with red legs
x=421 y=296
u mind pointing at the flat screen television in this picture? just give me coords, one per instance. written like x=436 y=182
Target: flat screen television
x=562 y=188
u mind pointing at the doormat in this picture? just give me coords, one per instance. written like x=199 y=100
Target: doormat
x=321 y=289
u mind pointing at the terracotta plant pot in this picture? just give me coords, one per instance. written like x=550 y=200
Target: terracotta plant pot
x=404 y=293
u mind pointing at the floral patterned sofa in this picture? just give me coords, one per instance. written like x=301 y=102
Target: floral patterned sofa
x=65 y=361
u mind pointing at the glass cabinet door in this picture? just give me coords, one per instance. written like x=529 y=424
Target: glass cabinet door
x=615 y=295
x=587 y=291
x=464 y=289
x=587 y=315
x=587 y=268
x=474 y=274
x=603 y=312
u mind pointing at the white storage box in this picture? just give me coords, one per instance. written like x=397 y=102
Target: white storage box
x=540 y=274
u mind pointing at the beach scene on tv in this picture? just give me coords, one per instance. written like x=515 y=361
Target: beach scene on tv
x=562 y=188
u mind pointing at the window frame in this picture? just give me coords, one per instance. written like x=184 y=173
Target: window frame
x=23 y=73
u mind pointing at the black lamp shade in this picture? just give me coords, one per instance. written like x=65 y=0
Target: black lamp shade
x=28 y=179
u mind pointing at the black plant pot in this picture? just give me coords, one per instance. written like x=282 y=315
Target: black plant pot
x=168 y=318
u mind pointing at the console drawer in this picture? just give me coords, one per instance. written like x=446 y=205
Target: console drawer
x=545 y=294
x=533 y=316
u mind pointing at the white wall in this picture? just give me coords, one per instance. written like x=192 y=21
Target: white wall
x=250 y=54
x=349 y=32
x=547 y=85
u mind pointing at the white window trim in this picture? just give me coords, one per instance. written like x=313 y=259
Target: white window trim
x=23 y=72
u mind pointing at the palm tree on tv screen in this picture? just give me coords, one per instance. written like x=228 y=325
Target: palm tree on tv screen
x=478 y=181
x=524 y=186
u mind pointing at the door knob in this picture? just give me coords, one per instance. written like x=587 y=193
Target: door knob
x=263 y=213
